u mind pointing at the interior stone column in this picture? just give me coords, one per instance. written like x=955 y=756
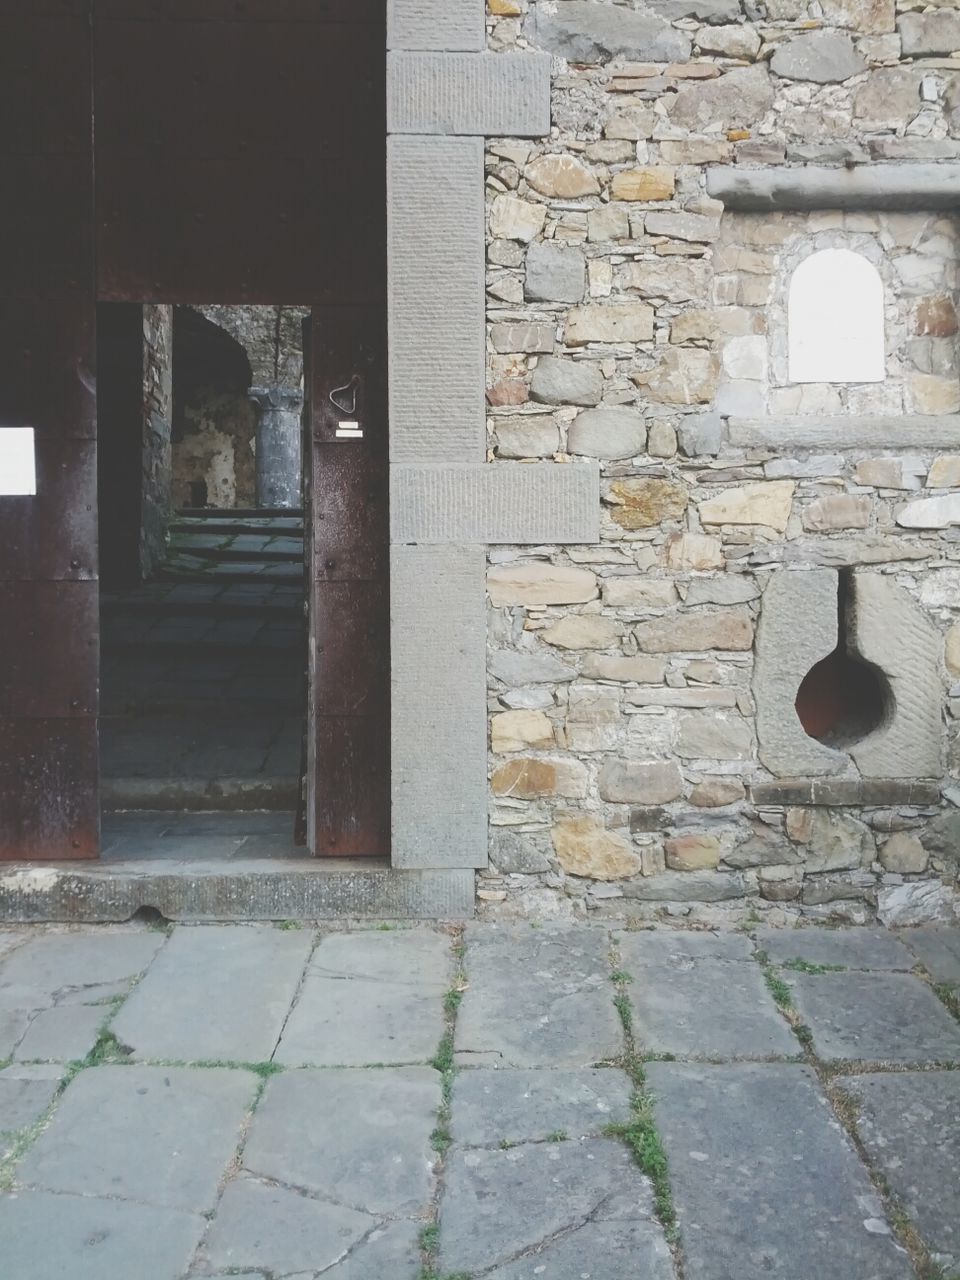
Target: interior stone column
x=278 y=445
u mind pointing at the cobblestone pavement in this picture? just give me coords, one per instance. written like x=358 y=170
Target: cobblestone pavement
x=512 y=1103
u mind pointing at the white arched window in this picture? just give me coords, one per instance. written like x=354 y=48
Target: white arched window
x=835 y=319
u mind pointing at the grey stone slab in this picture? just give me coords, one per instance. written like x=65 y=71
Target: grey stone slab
x=499 y=1205
x=13 y=1024
x=217 y=993
x=436 y=274
x=44 y=1236
x=798 y=627
x=64 y=1034
x=585 y=32
x=765 y=1182
x=875 y=1017
x=370 y=998
x=517 y=1105
x=25 y=1094
x=435 y=24
x=254 y=889
x=506 y=502
x=539 y=997
x=390 y=1250
x=684 y=944
x=909 y=1124
x=874 y=186
x=53 y=963
x=698 y=1005
x=280 y=1230
x=850 y=948
x=472 y=94
x=160 y=1135
x=938 y=950
x=873 y=432
x=889 y=630
x=438 y=721
x=360 y=1138
x=619 y=1250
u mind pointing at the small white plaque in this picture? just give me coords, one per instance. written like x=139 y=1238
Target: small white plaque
x=18 y=462
x=349 y=431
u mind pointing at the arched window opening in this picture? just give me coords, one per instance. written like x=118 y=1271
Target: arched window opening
x=835 y=319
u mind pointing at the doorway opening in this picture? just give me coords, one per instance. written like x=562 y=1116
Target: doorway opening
x=203 y=631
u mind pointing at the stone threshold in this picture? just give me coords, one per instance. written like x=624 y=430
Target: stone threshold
x=215 y=890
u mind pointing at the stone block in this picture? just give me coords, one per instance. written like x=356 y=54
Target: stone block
x=555 y=273
x=798 y=627
x=714 y=793
x=768 y=502
x=642 y=669
x=584 y=32
x=649 y=782
x=713 y=736
x=674 y=281
x=736 y=100
x=539 y=583
x=838 y=511
x=825 y=57
x=528 y=668
x=472 y=94
x=923 y=34
x=608 y=433
x=495 y=502
x=526 y=339
x=528 y=778
x=692 y=853
x=685 y=375
x=903 y=853
x=931 y=513
x=890 y=630
x=609 y=222
x=693 y=551
x=448 y=25
x=532 y=436
x=727 y=629
x=515 y=219
x=700 y=435
x=436 y=299
x=736 y=41
x=655 y=183
x=584 y=847
x=638 y=593
x=557 y=381
x=915 y=903
x=641 y=503
x=866 y=17
x=438 y=709
x=520 y=730
x=687 y=886
x=583 y=631
x=613 y=322
x=561 y=177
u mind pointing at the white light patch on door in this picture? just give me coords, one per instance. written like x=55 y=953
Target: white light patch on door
x=18 y=462
x=349 y=431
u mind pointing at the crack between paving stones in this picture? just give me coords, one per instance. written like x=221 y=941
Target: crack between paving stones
x=301 y=983
x=309 y=1194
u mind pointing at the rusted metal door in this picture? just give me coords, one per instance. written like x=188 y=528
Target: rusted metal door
x=48 y=542
x=346 y=510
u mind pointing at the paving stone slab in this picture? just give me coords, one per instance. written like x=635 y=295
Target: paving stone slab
x=45 y=1237
x=13 y=1025
x=390 y=1251
x=216 y=993
x=53 y=963
x=875 y=1017
x=25 y=1093
x=159 y=1135
x=358 y=1137
x=370 y=998
x=539 y=997
x=937 y=949
x=767 y=1186
x=518 y=1105
x=695 y=1005
x=62 y=1034
x=605 y=1250
x=500 y=1205
x=859 y=948
x=909 y=1123
x=686 y=944
x=281 y=1230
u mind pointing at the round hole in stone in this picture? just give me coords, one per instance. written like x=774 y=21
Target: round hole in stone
x=842 y=699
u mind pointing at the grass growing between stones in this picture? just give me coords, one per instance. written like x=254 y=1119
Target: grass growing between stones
x=783 y=993
x=640 y=1131
x=807 y=966
x=948 y=996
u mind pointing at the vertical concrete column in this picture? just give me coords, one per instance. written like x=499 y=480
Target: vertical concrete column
x=278 y=439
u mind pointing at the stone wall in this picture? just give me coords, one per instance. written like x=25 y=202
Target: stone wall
x=635 y=321
x=157 y=428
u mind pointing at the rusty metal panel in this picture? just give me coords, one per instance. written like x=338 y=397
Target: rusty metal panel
x=49 y=659
x=367 y=12
x=47 y=378
x=49 y=806
x=349 y=509
x=46 y=226
x=351 y=675
x=48 y=113
x=352 y=814
x=54 y=535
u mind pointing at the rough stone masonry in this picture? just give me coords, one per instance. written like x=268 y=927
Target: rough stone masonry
x=645 y=755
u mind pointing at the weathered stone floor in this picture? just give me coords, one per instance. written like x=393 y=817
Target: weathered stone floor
x=512 y=1103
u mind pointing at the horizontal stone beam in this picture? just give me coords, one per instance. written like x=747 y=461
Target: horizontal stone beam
x=845 y=792
x=450 y=25
x=876 y=186
x=511 y=502
x=472 y=94
x=435 y=285
x=814 y=432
